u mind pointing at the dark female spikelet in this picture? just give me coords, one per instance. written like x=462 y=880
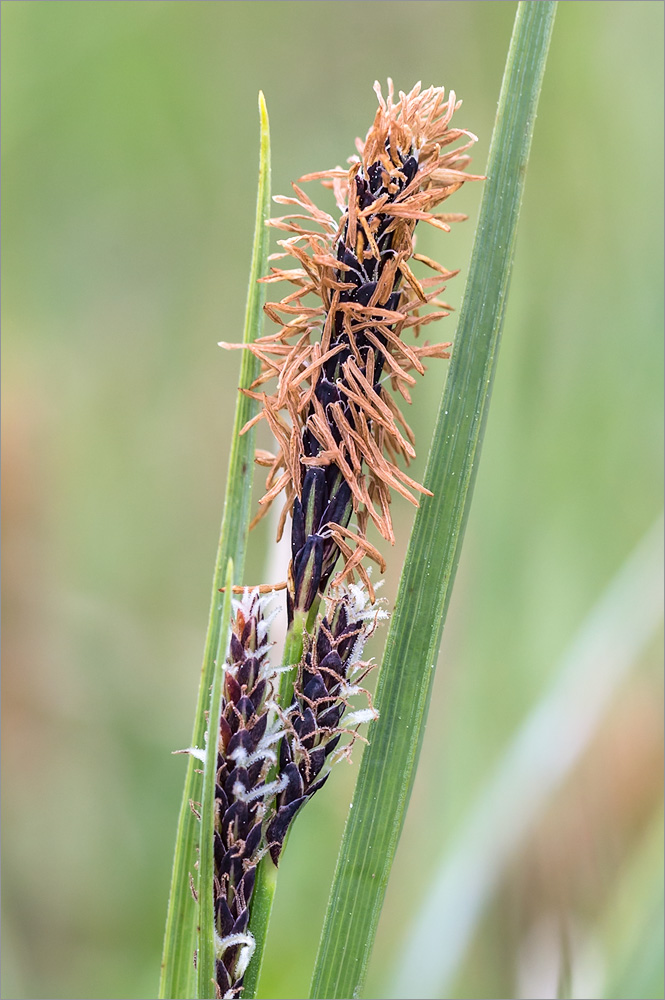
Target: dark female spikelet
x=249 y=730
x=329 y=675
x=335 y=351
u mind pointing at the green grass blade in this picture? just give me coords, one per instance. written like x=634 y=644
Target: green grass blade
x=205 y=965
x=178 y=977
x=405 y=682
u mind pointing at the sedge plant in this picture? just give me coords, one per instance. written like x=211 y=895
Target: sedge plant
x=346 y=344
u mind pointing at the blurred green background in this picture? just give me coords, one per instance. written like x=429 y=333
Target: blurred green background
x=129 y=155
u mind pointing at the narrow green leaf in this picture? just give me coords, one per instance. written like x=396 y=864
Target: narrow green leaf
x=178 y=979
x=403 y=691
x=205 y=965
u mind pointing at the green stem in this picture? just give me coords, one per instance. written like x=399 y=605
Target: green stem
x=404 y=687
x=293 y=647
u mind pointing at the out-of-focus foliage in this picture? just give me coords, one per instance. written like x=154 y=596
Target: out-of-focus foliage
x=129 y=178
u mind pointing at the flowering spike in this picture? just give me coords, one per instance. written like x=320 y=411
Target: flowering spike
x=329 y=675
x=339 y=448
x=248 y=731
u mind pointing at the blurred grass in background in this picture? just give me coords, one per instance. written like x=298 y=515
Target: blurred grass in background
x=130 y=151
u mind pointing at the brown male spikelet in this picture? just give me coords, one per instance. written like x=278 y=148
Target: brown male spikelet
x=339 y=431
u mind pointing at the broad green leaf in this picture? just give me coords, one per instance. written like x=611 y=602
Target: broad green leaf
x=405 y=682
x=178 y=977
